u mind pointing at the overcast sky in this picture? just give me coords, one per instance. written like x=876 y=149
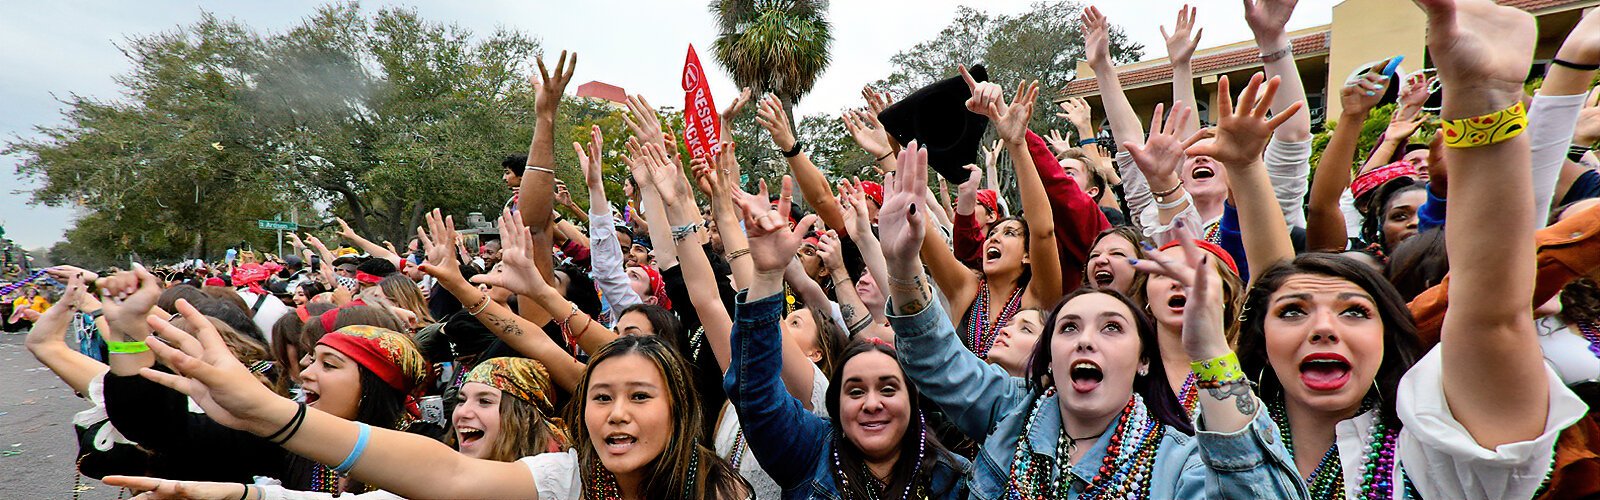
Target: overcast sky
x=60 y=48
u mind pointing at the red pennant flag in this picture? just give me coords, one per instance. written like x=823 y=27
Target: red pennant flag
x=702 y=129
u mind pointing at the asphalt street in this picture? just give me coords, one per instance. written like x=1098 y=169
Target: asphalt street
x=37 y=447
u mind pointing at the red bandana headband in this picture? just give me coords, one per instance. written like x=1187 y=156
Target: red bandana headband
x=1212 y=248
x=370 y=279
x=251 y=276
x=1371 y=180
x=658 y=286
x=874 y=191
x=387 y=354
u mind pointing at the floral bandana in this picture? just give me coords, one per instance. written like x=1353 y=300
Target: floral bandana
x=523 y=379
x=388 y=354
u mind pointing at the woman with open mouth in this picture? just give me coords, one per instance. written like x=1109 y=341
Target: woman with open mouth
x=1334 y=348
x=878 y=444
x=1019 y=267
x=1107 y=266
x=1094 y=416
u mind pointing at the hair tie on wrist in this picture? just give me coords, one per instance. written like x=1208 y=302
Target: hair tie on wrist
x=1576 y=66
x=886 y=155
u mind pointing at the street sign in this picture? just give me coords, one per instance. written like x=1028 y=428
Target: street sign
x=277 y=225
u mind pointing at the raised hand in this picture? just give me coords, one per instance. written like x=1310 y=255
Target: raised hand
x=590 y=159
x=1180 y=46
x=439 y=242
x=1010 y=120
x=983 y=94
x=1401 y=127
x=1242 y=132
x=1203 y=336
x=563 y=196
x=1414 y=94
x=967 y=192
x=1362 y=94
x=901 y=220
x=771 y=117
x=1162 y=153
x=868 y=132
x=1096 y=37
x=876 y=101
x=1077 y=112
x=516 y=258
x=773 y=242
x=1267 y=18
x=854 y=200
x=344 y=230
x=63 y=273
x=208 y=373
x=828 y=249
x=1482 y=51
x=738 y=104
x=294 y=241
x=549 y=86
x=1058 y=142
x=1100 y=161
x=666 y=174
x=641 y=119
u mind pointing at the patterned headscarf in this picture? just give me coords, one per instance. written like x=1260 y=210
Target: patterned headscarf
x=388 y=354
x=524 y=379
x=658 y=286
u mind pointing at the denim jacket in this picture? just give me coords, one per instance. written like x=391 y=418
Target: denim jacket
x=985 y=402
x=796 y=445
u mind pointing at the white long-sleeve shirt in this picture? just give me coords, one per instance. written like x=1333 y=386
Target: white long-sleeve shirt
x=605 y=260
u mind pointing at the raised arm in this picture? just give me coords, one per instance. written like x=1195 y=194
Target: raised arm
x=1553 y=117
x=47 y=341
x=685 y=219
x=520 y=276
x=1180 y=50
x=535 y=205
x=855 y=314
x=518 y=333
x=1493 y=374
x=232 y=396
x=813 y=185
x=1267 y=20
x=1011 y=123
x=1399 y=131
x=860 y=224
x=1125 y=124
x=1325 y=224
x=1242 y=133
x=1158 y=161
x=717 y=182
x=605 y=252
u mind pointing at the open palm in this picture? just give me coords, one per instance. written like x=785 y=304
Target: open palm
x=900 y=221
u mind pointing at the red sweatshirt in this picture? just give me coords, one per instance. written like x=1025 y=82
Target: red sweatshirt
x=1077 y=216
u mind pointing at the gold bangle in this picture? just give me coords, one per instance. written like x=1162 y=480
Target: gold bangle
x=738 y=253
x=1485 y=130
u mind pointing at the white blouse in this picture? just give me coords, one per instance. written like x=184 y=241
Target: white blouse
x=728 y=431
x=1443 y=460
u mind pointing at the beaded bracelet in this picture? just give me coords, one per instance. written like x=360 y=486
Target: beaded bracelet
x=1484 y=130
x=127 y=347
x=1222 y=368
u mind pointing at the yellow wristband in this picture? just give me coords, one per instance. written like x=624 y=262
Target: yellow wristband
x=1219 y=369
x=1485 y=130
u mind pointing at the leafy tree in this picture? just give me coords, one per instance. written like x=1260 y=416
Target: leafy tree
x=776 y=46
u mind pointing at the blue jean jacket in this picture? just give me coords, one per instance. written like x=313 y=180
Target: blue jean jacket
x=795 y=445
x=984 y=401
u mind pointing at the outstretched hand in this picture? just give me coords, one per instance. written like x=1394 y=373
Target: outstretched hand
x=1482 y=51
x=1162 y=153
x=1203 y=336
x=439 y=242
x=901 y=220
x=516 y=258
x=154 y=488
x=1180 y=45
x=1267 y=18
x=1363 y=93
x=1096 y=37
x=868 y=132
x=772 y=118
x=1010 y=120
x=1242 y=132
x=738 y=104
x=589 y=158
x=773 y=242
x=1077 y=112
x=549 y=86
x=641 y=119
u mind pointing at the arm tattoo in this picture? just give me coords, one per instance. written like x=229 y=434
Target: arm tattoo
x=504 y=324
x=1236 y=388
x=918 y=287
x=848 y=311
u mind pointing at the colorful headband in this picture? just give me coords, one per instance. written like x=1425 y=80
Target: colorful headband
x=369 y=279
x=1371 y=180
x=387 y=354
x=1215 y=251
x=524 y=379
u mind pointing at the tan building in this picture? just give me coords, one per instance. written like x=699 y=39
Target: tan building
x=1362 y=31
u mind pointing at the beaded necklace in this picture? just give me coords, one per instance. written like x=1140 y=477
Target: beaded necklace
x=981 y=331
x=1214 y=232
x=603 y=484
x=1189 y=394
x=12 y=287
x=736 y=454
x=1591 y=332
x=1377 y=465
x=326 y=480
x=873 y=490
x=1125 y=472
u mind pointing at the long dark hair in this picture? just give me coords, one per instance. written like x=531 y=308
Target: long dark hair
x=1372 y=225
x=917 y=434
x=664 y=322
x=1401 y=347
x=1418 y=263
x=1153 y=387
x=667 y=476
x=1027 y=245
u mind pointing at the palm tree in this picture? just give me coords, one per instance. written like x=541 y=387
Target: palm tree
x=777 y=46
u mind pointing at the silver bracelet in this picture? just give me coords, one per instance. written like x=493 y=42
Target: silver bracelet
x=541 y=169
x=1277 y=54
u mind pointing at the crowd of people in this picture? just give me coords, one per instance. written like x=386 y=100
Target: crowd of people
x=1228 y=324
